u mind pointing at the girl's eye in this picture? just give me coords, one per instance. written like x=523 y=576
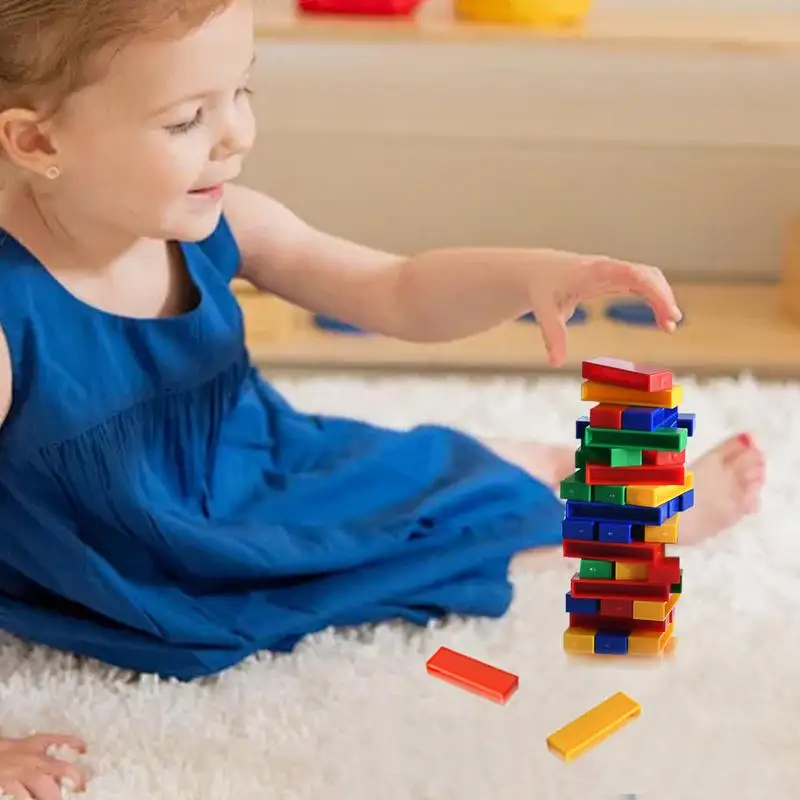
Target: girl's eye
x=245 y=90
x=185 y=127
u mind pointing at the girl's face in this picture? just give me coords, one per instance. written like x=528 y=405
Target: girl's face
x=167 y=119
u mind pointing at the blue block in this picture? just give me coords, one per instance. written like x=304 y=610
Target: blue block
x=639 y=418
x=686 y=421
x=581 y=425
x=670 y=418
x=611 y=643
x=686 y=500
x=617 y=532
x=673 y=507
x=582 y=605
x=608 y=512
x=583 y=529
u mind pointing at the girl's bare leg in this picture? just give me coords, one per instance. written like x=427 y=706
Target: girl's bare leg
x=728 y=482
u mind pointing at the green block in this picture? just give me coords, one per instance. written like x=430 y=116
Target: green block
x=574 y=488
x=609 y=494
x=596 y=569
x=610 y=456
x=671 y=439
x=677 y=588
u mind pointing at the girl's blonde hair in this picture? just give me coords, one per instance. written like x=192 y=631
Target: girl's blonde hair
x=49 y=48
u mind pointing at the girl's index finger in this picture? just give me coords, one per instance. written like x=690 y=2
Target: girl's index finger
x=651 y=285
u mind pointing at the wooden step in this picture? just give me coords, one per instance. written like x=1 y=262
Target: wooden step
x=728 y=328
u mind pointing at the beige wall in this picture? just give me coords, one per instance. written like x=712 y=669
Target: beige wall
x=688 y=161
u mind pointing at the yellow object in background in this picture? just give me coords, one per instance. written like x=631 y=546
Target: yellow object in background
x=549 y=13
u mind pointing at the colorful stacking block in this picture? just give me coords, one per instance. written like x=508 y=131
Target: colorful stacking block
x=591 y=728
x=616 y=372
x=622 y=505
x=475 y=676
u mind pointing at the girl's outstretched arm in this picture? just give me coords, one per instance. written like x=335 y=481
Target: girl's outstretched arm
x=438 y=295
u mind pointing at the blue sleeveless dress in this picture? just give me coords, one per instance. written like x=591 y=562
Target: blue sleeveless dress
x=165 y=510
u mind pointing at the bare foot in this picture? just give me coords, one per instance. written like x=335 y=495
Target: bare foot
x=728 y=481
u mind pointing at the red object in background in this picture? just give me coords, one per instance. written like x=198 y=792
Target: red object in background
x=360 y=8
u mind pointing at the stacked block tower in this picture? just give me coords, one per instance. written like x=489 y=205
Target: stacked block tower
x=623 y=503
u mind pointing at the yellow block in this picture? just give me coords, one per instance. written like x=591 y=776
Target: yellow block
x=592 y=727
x=662 y=534
x=603 y=393
x=624 y=571
x=652 y=610
x=652 y=496
x=649 y=643
x=579 y=641
x=531 y=12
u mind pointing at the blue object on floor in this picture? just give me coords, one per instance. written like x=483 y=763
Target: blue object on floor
x=632 y=313
x=580 y=316
x=335 y=326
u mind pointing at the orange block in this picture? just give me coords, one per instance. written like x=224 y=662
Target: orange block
x=473 y=675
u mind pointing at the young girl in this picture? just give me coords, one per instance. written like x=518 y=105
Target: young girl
x=162 y=508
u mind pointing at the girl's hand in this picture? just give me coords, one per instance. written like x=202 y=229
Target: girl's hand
x=562 y=280
x=29 y=772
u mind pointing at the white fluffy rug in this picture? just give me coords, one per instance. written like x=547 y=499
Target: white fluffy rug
x=353 y=716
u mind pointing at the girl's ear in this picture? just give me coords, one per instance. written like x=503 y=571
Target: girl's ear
x=24 y=141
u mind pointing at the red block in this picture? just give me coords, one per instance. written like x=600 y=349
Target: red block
x=625 y=624
x=616 y=608
x=597 y=589
x=473 y=675
x=606 y=415
x=663 y=458
x=668 y=570
x=649 y=475
x=635 y=552
x=617 y=372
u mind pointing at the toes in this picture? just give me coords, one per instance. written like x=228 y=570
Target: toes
x=729 y=450
x=744 y=460
x=752 y=476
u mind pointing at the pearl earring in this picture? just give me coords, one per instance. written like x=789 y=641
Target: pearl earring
x=52 y=172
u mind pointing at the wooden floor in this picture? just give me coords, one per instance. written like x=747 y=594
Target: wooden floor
x=728 y=329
